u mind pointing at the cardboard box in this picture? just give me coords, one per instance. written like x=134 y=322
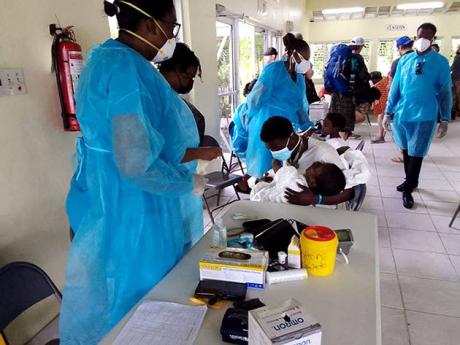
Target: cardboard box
x=287 y=324
x=235 y=265
x=294 y=255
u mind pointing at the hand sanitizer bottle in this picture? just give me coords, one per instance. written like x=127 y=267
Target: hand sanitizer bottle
x=219 y=234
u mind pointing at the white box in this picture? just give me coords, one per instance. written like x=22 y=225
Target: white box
x=235 y=265
x=318 y=111
x=287 y=324
x=294 y=254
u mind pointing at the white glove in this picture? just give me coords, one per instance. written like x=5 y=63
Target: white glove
x=199 y=184
x=387 y=119
x=442 y=129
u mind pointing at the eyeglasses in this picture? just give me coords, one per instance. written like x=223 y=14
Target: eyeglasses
x=176 y=27
x=190 y=75
x=419 y=67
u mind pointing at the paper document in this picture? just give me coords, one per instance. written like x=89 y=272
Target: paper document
x=162 y=323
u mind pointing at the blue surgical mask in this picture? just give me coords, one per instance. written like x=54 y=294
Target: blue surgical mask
x=284 y=154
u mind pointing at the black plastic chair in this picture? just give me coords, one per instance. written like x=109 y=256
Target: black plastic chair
x=358 y=199
x=455 y=216
x=22 y=285
x=360 y=146
x=234 y=166
x=218 y=181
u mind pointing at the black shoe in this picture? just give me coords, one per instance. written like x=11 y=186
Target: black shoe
x=401 y=187
x=408 y=200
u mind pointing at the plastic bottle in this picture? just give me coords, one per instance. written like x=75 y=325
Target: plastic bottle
x=219 y=234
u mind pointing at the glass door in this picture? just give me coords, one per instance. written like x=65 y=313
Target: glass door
x=227 y=88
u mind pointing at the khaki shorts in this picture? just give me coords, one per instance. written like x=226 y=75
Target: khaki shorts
x=364 y=108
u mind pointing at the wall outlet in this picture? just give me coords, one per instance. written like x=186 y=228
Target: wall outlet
x=12 y=82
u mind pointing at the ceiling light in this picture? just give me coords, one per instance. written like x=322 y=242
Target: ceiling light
x=344 y=10
x=420 y=5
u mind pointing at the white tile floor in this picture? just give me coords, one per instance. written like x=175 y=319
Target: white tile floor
x=419 y=253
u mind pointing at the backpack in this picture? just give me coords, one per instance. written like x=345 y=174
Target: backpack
x=335 y=75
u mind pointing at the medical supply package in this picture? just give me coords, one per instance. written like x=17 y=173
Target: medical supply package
x=294 y=255
x=235 y=265
x=287 y=324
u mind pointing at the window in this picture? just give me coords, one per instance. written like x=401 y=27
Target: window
x=251 y=53
x=440 y=43
x=366 y=53
x=240 y=50
x=275 y=41
x=386 y=54
x=320 y=53
x=225 y=72
x=259 y=52
x=318 y=59
x=455 y=45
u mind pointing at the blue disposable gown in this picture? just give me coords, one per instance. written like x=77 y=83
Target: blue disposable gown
x=130 y=203
x=239 y=134
x=274 y=94
x=417 y=99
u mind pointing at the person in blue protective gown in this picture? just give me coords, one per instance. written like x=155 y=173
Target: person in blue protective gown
x=420 y=90
x=133 y=203
x=279 y=91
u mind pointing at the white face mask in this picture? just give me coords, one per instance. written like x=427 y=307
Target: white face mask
x=422 y=44
x=284 y=154
x=301 y=67
x=167 y=50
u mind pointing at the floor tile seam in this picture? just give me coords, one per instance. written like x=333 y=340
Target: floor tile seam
x=403 y=275
x=406 y=319
x=431 y=313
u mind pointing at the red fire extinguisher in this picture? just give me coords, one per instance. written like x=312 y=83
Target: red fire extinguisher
x=67 y=63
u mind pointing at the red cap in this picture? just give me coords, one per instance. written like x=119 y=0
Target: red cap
x=319 y=233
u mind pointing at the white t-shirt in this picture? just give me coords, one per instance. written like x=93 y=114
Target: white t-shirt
x=319 y=151
x=357 y=171
x=286 y=177
x=353 y=163
x=336 y=143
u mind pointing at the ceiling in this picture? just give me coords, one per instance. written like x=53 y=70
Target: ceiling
x=386 y=11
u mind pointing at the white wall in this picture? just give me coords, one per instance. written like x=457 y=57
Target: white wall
x=375 y=29
x=35 y=159
x=35 y=155
x=200 y=34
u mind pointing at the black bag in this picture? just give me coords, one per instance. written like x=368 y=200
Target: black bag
x=234 y=328
x=273 y=236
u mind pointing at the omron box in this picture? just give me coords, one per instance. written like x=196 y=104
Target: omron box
x=235 y=265
x=287 y=324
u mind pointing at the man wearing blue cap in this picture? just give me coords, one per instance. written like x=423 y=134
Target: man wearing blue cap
x=421 y=90
x=404 y=45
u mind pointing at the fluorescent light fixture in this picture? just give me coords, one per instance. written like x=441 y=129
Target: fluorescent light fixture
x=420 y=5
x=343 y=10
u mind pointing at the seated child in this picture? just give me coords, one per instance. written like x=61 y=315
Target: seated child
x=321 y=178
x=332 y=126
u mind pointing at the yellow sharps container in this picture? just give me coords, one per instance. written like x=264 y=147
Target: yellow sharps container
x=319 y=248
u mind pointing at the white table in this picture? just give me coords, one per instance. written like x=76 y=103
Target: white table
x=346 y=304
